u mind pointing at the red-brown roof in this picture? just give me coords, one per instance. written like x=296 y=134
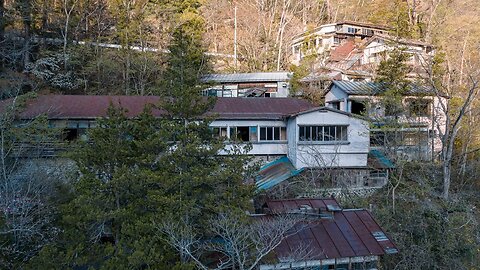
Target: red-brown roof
x=343 y=51
x=346 y=233
x=91 y=107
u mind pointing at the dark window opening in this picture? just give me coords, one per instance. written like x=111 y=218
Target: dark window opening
x=335 y=105
x=419 y=107
x=70 y=134
x=240 y=133
x=358 y=107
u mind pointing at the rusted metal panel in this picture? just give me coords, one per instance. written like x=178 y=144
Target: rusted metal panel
x=350 y=233
x=92 y=107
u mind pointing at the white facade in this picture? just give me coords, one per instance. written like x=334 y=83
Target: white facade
x=350 y=151
x=432 y=123
x=323 y=146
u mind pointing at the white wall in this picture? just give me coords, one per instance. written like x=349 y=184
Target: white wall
x=329 y=154
x=259 y=147
x=336 y=94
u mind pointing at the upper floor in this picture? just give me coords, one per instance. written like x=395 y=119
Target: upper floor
x=259 y=84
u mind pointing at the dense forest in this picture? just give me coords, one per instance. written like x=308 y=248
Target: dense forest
x=124 y=200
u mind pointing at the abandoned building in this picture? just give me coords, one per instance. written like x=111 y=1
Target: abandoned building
x=329 y=36
x=352 y=51
x=260 y=84
x=341 y=239
x=288 y=135
x=419 y=121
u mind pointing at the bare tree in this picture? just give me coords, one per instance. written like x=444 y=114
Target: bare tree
x=26 y=186
x=453 y=115
x=245 y=241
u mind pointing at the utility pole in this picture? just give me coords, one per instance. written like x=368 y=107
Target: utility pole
x=235 y=40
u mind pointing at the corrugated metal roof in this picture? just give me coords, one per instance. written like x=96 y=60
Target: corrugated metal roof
x=91 y=107
x=248 y=77
x=372 y=88
x=378 y=160
x=275 y=172
x=349 y=233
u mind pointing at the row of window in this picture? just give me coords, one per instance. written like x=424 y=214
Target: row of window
x=323 y=133
x=252 y=134
x=306 y=133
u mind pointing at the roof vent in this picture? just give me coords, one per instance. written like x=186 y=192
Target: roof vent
x=380 y=236
x=333 y=208
x=305 y=208
x=390 y=250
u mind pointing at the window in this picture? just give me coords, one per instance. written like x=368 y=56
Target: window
x=336 y=40
x=244 y=134
x=219 y=132
x=419 y=107
x=323 y=133
x=335 y=105
x=240 y=133
x=351 y=30
x=377 y=138
x=358 y=107
x=393 y=108
x=273 y=133
x=415 y=138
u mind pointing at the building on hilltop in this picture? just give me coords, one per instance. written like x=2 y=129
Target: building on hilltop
x=353 y=53
x=327 y=37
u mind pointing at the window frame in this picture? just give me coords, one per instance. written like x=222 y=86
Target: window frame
x=275 y=130
x=312 y=132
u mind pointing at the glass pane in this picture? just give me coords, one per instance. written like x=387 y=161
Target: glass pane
x=314 y=133
x=215 y=132
x=269 y=133
x=283 y=134
x=263 y=133
x=308 y=133
x=253 y=134
x=276 y=134
x=223 y=132
x=233 y=133
x=301 y=131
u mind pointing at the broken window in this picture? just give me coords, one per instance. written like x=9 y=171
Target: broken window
x=358 y=107
x=240 y=133
x=419 y=107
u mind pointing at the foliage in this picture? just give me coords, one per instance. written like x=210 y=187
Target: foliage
x=28 y=185
x=430 y=233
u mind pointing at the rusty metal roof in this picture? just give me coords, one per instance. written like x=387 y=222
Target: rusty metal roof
x=347 y=233
x=92 y=107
